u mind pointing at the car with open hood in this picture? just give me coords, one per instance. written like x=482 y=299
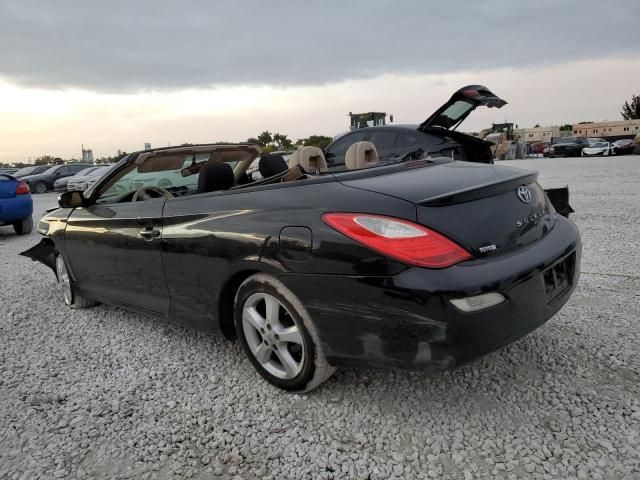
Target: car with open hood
x=425 y=261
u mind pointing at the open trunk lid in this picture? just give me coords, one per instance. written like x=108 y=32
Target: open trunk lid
x=460 y=105
x=487 y=209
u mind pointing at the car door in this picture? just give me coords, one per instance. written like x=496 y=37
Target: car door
x=113 y=246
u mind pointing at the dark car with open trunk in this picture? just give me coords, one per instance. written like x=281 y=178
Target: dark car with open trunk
x=418 y=261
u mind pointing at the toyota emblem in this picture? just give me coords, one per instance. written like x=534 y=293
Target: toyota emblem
x=524 y=194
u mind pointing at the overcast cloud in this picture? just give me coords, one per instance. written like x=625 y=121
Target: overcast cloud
x=122 y=46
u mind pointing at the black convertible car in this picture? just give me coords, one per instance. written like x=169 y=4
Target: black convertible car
x=423 y=261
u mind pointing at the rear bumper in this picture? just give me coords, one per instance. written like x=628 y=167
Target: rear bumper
x=406 y=320
x=14 y=209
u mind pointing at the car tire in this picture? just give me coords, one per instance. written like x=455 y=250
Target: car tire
x=23 y=227
x=295 y=364
x=40 y=187
x=70 y=297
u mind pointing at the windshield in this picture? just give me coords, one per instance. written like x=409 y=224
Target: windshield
x=131 y=179
x=599 y=144
x=86 y=171
x=24 y=171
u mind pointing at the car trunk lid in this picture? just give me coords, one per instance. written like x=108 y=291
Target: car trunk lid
x=460 y=105
x=7 y=186
x=487 y=209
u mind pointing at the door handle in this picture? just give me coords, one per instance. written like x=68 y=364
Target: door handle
x=149 y=233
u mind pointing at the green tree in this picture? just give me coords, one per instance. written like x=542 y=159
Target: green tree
x=631 y=111
x=253 y=140
x=282 y=141
x=265 y=138
x=566 y=127
x=45 y=160
x=319 y=141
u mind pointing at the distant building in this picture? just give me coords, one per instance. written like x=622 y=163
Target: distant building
x=613 y=130
x=539 y=134
x=87 y=155
x=147 y=146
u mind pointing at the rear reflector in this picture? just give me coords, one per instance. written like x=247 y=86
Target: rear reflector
x=402 y=240
x=22 y=188
x=478 y=302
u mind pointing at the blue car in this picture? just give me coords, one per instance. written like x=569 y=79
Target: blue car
x=16 y=205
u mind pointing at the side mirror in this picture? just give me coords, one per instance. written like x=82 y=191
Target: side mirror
x=73 y=199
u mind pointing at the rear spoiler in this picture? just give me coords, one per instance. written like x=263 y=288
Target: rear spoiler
x=482 y=191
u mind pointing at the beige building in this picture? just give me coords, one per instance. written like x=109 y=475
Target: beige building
x=539 y=134
x=617 y=128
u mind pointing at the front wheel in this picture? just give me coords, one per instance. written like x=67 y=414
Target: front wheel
x=278 y=336
x=64 y=282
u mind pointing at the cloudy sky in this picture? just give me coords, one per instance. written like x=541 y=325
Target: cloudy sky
x=116 y=74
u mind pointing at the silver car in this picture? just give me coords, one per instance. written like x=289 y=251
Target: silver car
x=84 y=179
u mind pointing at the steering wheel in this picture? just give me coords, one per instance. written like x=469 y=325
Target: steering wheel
x=143 y=193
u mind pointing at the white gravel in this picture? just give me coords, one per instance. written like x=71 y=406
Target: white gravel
x=107 y=394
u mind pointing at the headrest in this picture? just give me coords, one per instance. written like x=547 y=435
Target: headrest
x=214 y=177
x=361 y=155
x=272 y=164
x=311 y=159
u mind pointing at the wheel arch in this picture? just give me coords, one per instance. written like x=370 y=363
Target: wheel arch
x=227 y=294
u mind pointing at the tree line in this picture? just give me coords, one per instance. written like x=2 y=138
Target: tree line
x=271 y=142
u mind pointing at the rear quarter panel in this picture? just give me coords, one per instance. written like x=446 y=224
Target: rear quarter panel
x=207 y=239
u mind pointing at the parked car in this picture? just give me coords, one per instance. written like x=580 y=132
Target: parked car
x=43 y=182
x=426 y=261
x=79 y=180
x=598 y=149
x=538 y=148
x=60 y=185
x=9 y=171
x=33 y=170
x=16 y=205
x=82 y=181
x=624 y=147
x=568 y=147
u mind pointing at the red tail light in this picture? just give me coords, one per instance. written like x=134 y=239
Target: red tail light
x=399 y=239
x=22 y=188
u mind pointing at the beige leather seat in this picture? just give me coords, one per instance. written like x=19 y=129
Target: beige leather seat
x=361 y=155
x=311 y=159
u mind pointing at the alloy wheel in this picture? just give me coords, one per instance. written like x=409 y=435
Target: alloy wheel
x=63 y=280
x=40 y=187
x=273 y=336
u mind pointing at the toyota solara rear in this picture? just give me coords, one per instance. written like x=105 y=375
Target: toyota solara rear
x=420 y=262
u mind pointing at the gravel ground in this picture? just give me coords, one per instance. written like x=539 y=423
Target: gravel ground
x=107 y=394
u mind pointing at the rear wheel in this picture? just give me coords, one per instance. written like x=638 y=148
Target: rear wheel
x=23 y=227
x=64 y=281
x=40 y=187
x=278 y=336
